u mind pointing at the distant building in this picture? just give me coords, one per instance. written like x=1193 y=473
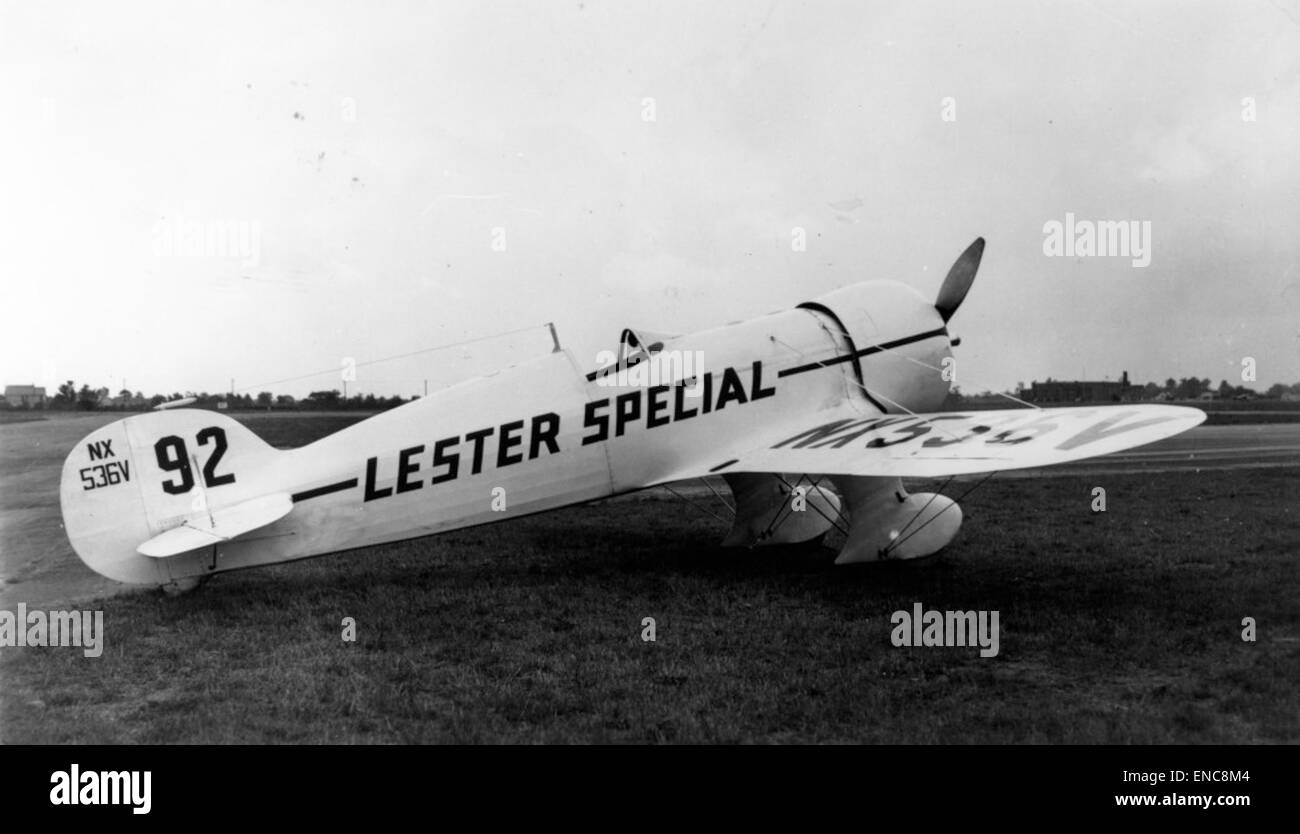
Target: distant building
x=1061 y=391
x=31 y=396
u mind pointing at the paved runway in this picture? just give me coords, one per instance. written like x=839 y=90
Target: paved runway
x=1202 y=448
x=37 y=565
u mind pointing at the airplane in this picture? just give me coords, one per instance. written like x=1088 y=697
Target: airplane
x=180 y=402
x=811 y=415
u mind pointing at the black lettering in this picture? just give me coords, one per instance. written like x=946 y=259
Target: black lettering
x=440 y=458
x=862 y=428
x=626 y=409
x=708 y=394
x=478 y=438
x=372 y=465
x=732 y=389
x=405 y=466
x=817 y=434
x=210 y=476
x=934 y=442
x=679 y=402
x=655 y=406
x=1035 y=429
x=591 y=420
x=552 y=423
x=975 y=431
x=505 y=441
x=758 y=392
x=172 y=457
x=917 y=429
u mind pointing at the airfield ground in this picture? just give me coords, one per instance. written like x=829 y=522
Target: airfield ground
x=1116 y=627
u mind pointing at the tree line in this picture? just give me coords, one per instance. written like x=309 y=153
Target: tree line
x=71 y=398
x=1187 y=388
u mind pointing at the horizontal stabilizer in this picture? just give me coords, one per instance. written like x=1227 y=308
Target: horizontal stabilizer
x=205 y=529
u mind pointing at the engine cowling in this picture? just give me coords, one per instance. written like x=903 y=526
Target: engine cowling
x=899 y=342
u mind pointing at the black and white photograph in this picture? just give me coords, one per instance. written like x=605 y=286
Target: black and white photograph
x=616 y=372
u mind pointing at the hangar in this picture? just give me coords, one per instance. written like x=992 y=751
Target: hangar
x=29 y=396
x=1076 y=391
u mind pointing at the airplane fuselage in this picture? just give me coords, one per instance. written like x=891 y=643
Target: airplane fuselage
x=547 y=433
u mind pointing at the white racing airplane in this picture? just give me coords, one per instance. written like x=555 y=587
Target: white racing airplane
x=811 y=415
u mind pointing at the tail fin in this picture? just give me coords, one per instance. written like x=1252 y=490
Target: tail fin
x=153 y=485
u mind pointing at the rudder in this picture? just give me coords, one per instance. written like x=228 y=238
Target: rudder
x=138 y=478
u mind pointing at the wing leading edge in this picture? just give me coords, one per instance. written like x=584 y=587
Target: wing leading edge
x=958 y=443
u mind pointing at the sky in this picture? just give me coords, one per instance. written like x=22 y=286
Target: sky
x=394 y=177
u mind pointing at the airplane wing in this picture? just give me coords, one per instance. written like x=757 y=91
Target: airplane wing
x=957 y=443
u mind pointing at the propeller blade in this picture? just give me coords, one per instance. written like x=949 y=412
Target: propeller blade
x=959 y=279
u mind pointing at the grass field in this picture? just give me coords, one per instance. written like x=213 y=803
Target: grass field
x=1115 y=627
x=7 y=417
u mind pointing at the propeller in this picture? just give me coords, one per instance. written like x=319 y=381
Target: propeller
x=959 y=279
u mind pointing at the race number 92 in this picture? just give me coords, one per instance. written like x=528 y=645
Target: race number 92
x=173 y=457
